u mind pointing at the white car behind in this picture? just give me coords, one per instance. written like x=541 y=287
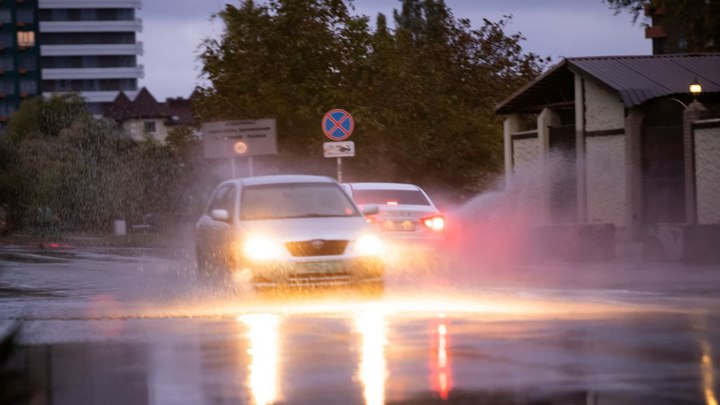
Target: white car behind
x=406 y=217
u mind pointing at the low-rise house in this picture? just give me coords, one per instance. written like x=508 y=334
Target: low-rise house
x=621 y=142
x=145 y=117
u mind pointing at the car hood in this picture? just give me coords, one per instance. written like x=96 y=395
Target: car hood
x=301 y=229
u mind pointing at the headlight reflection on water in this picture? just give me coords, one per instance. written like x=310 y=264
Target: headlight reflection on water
x=707 y=371
x=372 y=370
x=264 y=342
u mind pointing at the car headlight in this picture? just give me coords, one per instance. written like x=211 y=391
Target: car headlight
x=262 y=248
x=369 y=245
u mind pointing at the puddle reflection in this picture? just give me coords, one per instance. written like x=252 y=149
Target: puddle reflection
x=372 y=369
x=264 y=351
x=708 y=373
x=440 y=364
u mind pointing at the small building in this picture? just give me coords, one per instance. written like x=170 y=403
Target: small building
x=621 y=141
x=145 y=117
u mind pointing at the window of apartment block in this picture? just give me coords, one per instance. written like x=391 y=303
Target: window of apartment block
x=28 y=62
x=5 y=39
x=150 y=127
x=25 y=15
x=5 y=16
x=6 y=62
x=28 y=86
x=26 y=38
x=7 y=87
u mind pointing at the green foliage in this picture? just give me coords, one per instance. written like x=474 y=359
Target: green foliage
x=84 y=172
x=39 y=117
x=422 y=95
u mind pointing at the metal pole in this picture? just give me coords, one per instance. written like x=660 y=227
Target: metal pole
x=339 y=170
x=250 y=165
x=232 y=166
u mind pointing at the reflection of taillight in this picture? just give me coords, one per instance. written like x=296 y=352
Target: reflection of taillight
x=436 y=223
x=370 y=219
x=391 y=202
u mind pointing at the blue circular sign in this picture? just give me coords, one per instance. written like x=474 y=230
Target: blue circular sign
x=338 y=124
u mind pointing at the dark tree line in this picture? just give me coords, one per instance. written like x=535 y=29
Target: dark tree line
x=422 y=92
x=694 y=23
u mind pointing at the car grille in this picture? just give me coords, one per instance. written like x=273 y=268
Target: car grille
x=317 y=247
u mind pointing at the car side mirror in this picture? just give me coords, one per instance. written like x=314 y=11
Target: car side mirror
x=371 y=209
x=220 y=215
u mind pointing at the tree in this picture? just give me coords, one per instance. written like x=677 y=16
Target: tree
x=422 y=95
x=692 y=24
x=86 y=171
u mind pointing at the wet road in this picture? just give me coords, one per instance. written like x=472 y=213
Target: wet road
x=134 y=326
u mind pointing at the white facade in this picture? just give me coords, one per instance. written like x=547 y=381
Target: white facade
x=140 y=129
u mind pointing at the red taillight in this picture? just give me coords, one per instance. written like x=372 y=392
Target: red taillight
x=391 y=202
x=436 y=223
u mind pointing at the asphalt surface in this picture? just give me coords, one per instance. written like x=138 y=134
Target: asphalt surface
x=136 y=326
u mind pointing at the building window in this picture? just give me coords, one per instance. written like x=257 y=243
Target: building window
x=150 y=127
x=5 y=16
x=25 y=15
x=6 y=62
x=28 y=87
x=25 y=38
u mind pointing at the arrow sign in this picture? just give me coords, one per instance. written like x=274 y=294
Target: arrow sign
x=339 y=149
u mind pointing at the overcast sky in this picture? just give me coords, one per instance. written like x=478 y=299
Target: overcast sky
x=174 y=29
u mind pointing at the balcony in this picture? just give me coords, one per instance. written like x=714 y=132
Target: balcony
x=92 y=49
x=93 y=73
x=90 y=3
x=92 y=26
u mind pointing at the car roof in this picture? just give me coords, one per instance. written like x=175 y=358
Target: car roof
x=284 y=178
x=382 y=186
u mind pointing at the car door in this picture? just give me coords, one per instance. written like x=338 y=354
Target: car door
x=213 y=232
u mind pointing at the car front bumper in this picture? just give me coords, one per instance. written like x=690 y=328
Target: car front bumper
x=319 y=272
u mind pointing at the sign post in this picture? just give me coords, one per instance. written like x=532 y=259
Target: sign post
x=338 y=125
x=248 y=138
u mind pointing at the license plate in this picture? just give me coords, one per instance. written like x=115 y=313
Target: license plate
x=320 y=267
x=401 y=226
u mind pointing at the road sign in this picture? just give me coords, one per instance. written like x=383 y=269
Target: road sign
x=227 y=139
x=339 y=149
x=338 y=124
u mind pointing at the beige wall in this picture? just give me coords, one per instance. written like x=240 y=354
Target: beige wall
x=604 y=109
x=707 y=168
x=605 y=157
x=136 y=129
x=526 y=156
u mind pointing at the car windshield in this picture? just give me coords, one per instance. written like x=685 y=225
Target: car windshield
x=295 y=200
x=390 y=197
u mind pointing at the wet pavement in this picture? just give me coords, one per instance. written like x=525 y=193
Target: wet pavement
x=135 y=326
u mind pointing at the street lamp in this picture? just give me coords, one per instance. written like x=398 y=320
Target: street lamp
x=695 y=89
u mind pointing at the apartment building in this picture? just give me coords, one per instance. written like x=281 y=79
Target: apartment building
x=89 y=47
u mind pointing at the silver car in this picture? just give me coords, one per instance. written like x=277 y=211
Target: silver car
x=288 y=230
